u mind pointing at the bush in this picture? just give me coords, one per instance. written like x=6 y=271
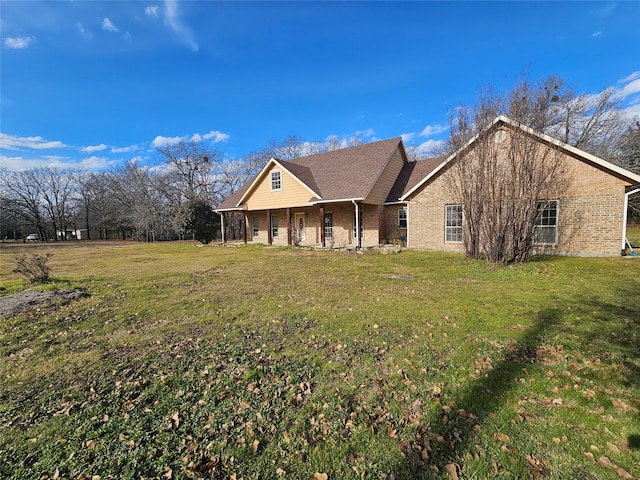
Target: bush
x=34 y=267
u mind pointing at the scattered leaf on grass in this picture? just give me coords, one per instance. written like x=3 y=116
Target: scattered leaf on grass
x=176 y=419
x=622 y=473
x=452 y=470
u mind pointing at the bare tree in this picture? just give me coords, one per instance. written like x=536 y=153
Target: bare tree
x=594 y=123
x=505 y=176
x=191 y=169
x=25 y=195
x=57 y=189
x=144 y=208
x=627 y=153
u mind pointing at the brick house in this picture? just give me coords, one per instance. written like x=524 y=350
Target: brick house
x=319 y=199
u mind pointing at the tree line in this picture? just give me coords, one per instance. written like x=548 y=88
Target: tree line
x=174 y=197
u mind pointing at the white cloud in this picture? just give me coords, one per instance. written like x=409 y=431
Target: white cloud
x=604 y=11
x=429 y=147
x=18 y=42
x=430 y=130
x=630 y=88
x=13 y=142
x=128 y=149
x=172 y=19
x=152 y=11
x=368 y=133
x=216 y=136
x=161 y=141
x=407 y=136
x=28 y=163
x=633 y=76
x=93 y=148
x=108 y=26
x=596 y=34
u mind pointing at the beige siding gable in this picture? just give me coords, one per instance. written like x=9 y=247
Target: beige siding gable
x=386 y=180
x=292 y=193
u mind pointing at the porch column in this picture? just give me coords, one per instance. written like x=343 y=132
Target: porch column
x=269 y=238
x=357 y=226
x=244 y=232
x=322 y=239
x=288 y=226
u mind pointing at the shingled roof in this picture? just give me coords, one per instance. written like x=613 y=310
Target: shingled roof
x=345 y=174
x=412 y=173
x=349 y=173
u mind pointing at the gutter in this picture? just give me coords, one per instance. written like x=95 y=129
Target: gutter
x=407 y=231
x=624 y=216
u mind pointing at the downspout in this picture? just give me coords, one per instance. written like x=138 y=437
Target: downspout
x=222 y=224
x=357 y=226
x=624 y=216
x=407 y=240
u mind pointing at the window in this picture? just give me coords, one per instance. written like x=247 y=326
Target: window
x=402 y=218
x=328 y=225
x=453 y=223
x=276 y=180
x=255 y=226
x=274 y=226
x=361 y=224
x=546 y=229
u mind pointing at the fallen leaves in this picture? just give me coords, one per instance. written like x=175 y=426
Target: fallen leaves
x=452 y=470
x=624 y=407
x=622 y=473
x=176 y=419
x=537 y=464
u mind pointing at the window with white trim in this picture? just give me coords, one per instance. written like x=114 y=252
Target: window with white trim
x=255 y=226
x=402 y=218
x=328 y=225
x=274 y=226
x=276 y=180
x=453 y=223
x=546 y=228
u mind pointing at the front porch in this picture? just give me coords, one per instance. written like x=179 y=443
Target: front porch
x=330 y=225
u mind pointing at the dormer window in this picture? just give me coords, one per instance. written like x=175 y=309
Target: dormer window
x=276 y=180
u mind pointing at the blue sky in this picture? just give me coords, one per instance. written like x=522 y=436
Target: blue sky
x=89 y=84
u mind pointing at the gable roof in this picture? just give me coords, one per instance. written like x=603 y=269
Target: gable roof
x=349 y=173
x=412 y=173
x=346 y=174
x=609 y=167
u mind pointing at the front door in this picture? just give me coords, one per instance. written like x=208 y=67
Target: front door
x=299 y=226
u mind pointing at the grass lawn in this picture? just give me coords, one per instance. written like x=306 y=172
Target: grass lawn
x=257 y=362
x=633 y=234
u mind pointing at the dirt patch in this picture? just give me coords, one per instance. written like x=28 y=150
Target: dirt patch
x=12 y=305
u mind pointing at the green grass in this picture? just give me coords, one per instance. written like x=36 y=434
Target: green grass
x=261 y=362
x=633 y=234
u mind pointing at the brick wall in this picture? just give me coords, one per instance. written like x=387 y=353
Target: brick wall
x=590 y=213
x=390 y=232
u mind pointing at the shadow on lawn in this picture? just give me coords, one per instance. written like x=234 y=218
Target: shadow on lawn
x=483 y=397
x=616 y=327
